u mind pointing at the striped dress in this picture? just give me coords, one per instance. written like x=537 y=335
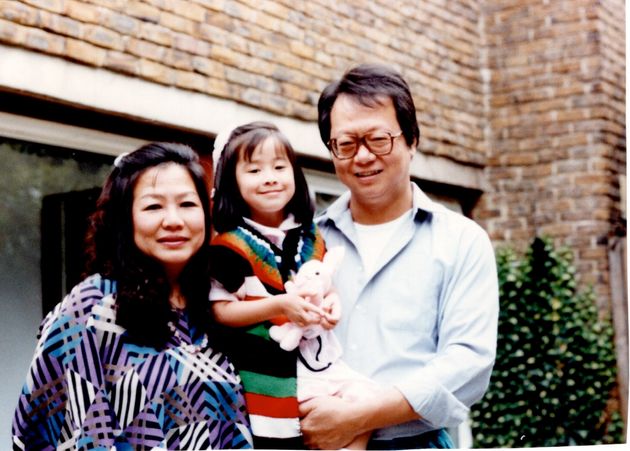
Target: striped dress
x=89 y=387
x=251 y=267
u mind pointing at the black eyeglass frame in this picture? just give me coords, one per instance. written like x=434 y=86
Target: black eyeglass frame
x=332 y=145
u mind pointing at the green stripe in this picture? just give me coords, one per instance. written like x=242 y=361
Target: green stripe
x=261 y=384
x=260 y=330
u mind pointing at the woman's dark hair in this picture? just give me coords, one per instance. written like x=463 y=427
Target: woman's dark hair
x=229 y=207
x=142 y=295
x=368 y=84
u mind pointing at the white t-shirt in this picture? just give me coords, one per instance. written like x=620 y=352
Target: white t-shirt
x=372 y=239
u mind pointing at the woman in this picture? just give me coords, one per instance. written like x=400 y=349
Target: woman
x=124 y=359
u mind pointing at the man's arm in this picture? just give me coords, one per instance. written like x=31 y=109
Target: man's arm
x=332 y=423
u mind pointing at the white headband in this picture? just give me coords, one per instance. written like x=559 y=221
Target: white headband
x=219 y=144
x=119 y=159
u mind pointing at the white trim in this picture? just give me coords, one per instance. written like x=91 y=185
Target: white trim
x=443 y=170
x=52 y=77
x=323 y=182
x=68 y=136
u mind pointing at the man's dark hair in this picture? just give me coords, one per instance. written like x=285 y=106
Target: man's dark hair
x=229 y=208
x=142 y=294
x=369 y=84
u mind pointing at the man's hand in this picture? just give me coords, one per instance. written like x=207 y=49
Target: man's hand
x=329 y=422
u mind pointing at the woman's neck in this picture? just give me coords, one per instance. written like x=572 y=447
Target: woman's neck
x=176 y=298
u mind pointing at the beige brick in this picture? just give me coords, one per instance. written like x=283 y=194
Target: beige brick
x=179 y=60
x=142 y=10
x=190 y=10
x=122 y=62
x=599 y=253
x=44 y=42
x=191 y=45
x=520 y=158
x=216 y=5
x=55 y=6
x=223 y=55
x=276 y=9
x=156 y=34
x=240 y=11
x=12 y=33
x=19 y=13
x=84 y=52
x=145 y=49
x=82 y=11
x=190 y=81
x=115 y=5
x=295 y=93
x=219 y=20
x=207 y=66
x=592 y=179
x=156 y=72
x=537 y=170
x=177 y=23
x=60 y=25
x=286 y=59
x=267 y=21
x=302 y=50
x=219 y=88
x=556 y=230
x=119 y=23
x=103 y=37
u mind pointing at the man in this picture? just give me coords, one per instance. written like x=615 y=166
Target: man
x=418 y=283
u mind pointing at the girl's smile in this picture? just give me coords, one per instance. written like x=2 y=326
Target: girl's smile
x=266 y=183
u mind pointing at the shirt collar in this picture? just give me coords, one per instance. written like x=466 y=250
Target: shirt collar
x=421 y=204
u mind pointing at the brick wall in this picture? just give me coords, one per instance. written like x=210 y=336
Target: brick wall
x=556 y=126
x=275 y=55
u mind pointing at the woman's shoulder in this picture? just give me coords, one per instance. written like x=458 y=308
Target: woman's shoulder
x=80 y=301
x=92 y=289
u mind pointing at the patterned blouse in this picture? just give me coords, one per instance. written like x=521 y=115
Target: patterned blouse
x=89 y=387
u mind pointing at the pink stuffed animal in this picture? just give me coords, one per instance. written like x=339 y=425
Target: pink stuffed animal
x=314 y=276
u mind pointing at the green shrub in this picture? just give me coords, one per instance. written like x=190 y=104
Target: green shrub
x=555 y=365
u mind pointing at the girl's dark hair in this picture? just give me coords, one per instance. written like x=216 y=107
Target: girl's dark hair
x=142 y=295
x=368 y=84
x=229 y=207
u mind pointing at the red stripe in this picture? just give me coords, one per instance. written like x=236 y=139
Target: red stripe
x=271 y=407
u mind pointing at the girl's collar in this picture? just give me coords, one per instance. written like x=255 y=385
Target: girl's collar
x=288 y=224
x=274 y=235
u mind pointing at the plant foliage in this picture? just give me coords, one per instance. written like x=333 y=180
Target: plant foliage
x=555 y=365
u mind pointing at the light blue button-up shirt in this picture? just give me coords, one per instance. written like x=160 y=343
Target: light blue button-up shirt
x=425 y=319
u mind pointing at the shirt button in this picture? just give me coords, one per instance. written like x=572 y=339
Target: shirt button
x=353 y=347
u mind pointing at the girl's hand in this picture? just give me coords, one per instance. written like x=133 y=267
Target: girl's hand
x=332 y=308
x=300 y=311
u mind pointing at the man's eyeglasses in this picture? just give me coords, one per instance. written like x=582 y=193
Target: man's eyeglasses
x=347 y=146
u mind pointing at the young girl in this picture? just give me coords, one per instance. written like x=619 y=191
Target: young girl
x=263 y=214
